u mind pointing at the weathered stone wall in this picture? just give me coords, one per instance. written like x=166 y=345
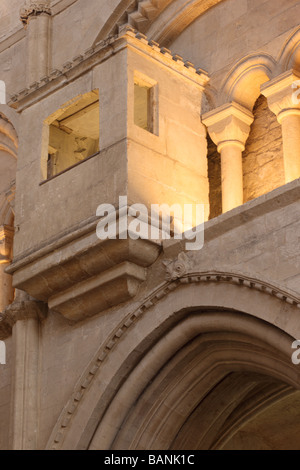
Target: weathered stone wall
x=263 y=157
x=235 y=28
x=231 y=245
x=244 y=240
x=65 y=351
x=9 y=16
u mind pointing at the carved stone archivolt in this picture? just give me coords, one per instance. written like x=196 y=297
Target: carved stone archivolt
x=179 y=272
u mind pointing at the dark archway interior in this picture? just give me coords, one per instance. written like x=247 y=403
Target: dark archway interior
x=220 y=391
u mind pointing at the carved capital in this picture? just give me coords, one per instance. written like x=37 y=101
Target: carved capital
x=229 y=125
x=283 y=94
x=35 y=9
x=177 y=268
x=23 y=308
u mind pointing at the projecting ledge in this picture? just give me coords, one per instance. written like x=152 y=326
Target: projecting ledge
x=99 y=293
x=85 y=276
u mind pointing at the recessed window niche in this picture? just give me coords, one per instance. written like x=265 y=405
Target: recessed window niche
x=145 y=103
x=71 y=134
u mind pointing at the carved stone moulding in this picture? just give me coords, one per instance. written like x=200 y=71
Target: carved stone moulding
x=22 y=308
x=85 y=276
x=35 y=9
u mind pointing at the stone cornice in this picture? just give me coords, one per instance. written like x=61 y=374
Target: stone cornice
x=102 y=51
x=12 y=39
x=266 y=204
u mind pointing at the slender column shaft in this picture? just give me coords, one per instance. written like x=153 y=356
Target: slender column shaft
x=232 y=176
x=36 y=17
x=290 y=122
x=229 y=128
x=38 y=47
x=283 y=98
x=24 y=431
x=23 y=316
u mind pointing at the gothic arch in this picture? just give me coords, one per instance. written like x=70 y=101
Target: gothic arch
x=258 y=318
x=176 y=18
x=161 y=20
x=7 y=210
x=289 y=57
x=243 y=82
x=216 y=357
x=13 y=118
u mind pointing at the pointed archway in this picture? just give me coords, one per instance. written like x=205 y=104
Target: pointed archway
x=214 y=344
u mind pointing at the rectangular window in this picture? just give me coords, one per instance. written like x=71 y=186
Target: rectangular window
x=145 y=103
x=73 y=134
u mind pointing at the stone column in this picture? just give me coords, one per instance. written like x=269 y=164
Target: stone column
x=229 y=128
x=284 y=101
x=37 y=19
x=22 y=320
x=6 y=289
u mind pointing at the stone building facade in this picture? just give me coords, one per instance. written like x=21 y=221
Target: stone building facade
x=140 y=343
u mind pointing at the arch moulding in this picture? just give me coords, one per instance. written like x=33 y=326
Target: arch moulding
x=161 y=20
x=183 y=293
